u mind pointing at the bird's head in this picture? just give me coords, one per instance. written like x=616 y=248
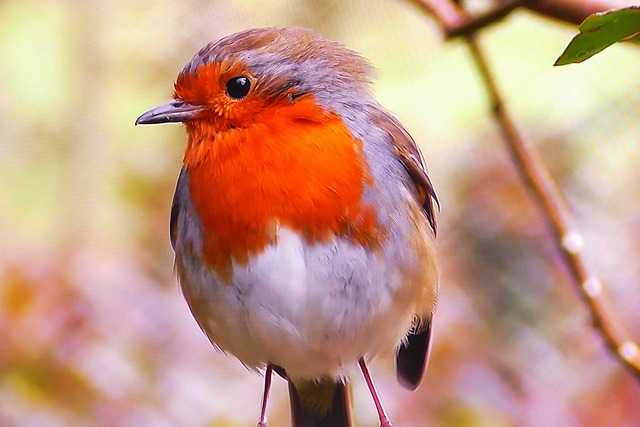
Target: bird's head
x=229 y=83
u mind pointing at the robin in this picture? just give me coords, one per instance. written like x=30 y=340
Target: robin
x=303 y=218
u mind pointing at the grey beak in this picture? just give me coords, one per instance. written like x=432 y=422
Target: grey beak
x=171 y=112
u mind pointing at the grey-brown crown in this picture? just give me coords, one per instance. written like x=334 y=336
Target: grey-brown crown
x=281 y=58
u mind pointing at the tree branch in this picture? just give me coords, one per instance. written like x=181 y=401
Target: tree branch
x=567 y=238
x=573 y=11
x=455 y=22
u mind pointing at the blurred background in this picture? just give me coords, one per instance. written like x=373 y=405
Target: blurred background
x=93 y=329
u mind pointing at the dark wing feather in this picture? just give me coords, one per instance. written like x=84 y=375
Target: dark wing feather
x=412 y=357
x=409 y=154
x=175 y=208
x=413 y=354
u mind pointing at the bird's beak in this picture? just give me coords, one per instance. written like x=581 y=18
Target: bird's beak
x=171 y=112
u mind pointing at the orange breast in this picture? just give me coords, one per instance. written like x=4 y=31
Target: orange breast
x=294 y=165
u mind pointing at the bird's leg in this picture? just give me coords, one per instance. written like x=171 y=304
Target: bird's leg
x=265 y=397
x=384 y=419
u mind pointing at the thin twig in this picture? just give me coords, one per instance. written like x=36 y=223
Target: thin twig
x=455 y=22
x=470 y=24
x=573 y=11
x=567 y=239
x=558 y=217
x=447 y=13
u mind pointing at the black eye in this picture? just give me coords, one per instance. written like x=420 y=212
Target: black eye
x=238 y=87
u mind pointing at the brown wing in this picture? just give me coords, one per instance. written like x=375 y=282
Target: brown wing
x=413 y=353
x=411 y=158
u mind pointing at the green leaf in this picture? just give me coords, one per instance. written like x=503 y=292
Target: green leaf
x=600 y=31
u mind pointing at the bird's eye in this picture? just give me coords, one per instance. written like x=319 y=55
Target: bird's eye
x=238 y=87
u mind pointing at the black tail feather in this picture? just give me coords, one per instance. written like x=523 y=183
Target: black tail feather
x=338 y=415
x=412 y=358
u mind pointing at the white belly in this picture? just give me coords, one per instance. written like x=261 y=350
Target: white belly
x=312 y=309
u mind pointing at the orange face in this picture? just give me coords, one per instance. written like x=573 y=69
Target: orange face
x=208 y=87
x=257 y=162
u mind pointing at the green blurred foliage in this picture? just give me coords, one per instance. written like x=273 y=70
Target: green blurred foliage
x=93 y=329
x=599 y=31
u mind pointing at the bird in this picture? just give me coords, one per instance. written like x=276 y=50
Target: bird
x=303 y=220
